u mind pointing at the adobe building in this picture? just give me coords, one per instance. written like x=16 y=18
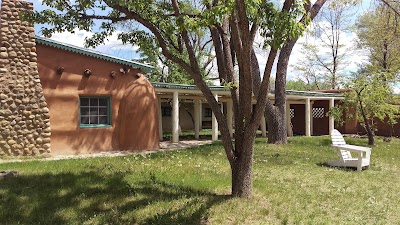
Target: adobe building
x=62 y=99
x=96 y=102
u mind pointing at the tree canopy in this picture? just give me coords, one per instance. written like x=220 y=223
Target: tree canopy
x=378 y=32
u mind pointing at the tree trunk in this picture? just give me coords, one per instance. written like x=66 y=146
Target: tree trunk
x=371 y=138
x=276 y=115
x=276 y=121
x=367 y=126
x=242 y=179
x=242 y=167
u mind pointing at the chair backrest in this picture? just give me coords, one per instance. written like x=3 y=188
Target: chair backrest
x=337 y=138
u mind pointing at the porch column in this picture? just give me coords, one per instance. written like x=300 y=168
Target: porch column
x=331 y=119
x=311 y=118
x=214 y=123
x=308 y=115
x=288 y=125
x=201 y=114
x=196 y=118
x=175 y=117
x=263 y=127
x=160 y=127
x=229 y=116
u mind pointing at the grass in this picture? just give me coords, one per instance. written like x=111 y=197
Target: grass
x=291 y=186
x=204 y=134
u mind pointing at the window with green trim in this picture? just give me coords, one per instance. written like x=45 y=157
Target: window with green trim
x=95 y=111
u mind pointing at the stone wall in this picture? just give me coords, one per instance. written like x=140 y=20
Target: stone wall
x=24 y=116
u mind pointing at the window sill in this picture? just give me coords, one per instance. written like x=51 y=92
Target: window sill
x=94 y=126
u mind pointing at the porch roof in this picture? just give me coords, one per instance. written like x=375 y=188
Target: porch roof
x=220 y=89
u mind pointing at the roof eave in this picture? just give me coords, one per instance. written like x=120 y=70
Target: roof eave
x=87 y=52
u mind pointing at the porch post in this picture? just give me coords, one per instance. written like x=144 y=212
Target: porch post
x=308 y=115
x=288 y=120
x=263 y=127
x=175 y=117
x=311 y=119
x=200 y=115
x=196 y=118
x=160 y=127
x=214 y=123
x=331 y=119
x=229 y=115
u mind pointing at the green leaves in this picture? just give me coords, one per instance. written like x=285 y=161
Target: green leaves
x=279 y=26
x=379 y=33
x=373 y=92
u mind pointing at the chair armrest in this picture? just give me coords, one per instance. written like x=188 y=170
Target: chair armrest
x=353 y=148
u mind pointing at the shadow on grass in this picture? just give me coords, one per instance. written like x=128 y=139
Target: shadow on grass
x=88 y=197
x=325 y=164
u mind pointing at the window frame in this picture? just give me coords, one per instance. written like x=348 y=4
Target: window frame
x=208 y=112
x=166 y=111
x=109 y=119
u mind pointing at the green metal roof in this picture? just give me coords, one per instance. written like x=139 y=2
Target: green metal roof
x=92 y=53
x=185 y=86
x=313 y=93
x=222 y=88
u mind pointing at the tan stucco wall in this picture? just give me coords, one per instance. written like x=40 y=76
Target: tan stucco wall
x=62 y=95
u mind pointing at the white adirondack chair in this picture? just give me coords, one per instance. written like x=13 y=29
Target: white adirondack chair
x=344 y=151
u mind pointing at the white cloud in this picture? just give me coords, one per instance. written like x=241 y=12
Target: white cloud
x=352 y=57
x=112 y=45
x=396 y=89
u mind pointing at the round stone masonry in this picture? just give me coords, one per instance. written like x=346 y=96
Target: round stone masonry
x=24 y=116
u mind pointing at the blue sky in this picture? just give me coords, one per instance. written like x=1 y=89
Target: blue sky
x=112 y=46
x=116 y=48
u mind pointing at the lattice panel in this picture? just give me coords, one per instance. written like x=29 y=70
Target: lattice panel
x=291 y=111
x=318 y=113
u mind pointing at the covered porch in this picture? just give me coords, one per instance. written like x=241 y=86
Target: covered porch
x=183 y=107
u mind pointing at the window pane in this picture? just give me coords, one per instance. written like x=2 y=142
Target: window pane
x=94 y=101
x=103 y=119
x=84 y=101
x=84 y=111
x=84 y=120
x=94 y=120
x=103 y=111
x=103 y=102
x=94 y=111
x=208 y=112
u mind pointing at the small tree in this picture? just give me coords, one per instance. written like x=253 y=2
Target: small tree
x=324 y=48
x=371 y=97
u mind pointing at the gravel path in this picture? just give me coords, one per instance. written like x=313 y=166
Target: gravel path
x=164 y=146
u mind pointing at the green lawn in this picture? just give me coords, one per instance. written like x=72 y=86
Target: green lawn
x=291 y=186
x=204 y=134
